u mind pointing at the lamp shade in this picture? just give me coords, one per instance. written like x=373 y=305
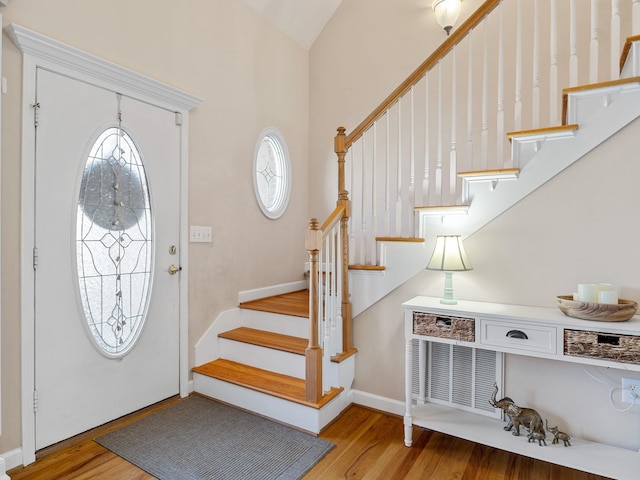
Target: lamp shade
x=447 y=12
x=449 y=255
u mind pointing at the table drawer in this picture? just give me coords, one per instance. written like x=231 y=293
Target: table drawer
x=519 y=336
x=444 y=326
x=604 y=346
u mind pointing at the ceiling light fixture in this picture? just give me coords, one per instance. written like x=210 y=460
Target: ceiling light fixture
x=447 y=12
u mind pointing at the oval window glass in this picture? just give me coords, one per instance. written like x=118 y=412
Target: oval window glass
x=271 y=173
x=114 y=243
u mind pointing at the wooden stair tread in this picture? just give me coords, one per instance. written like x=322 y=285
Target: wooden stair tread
x=549 y=131
x=294 y=303
x=264 y=381
x=443 y=209
x=400 y=239
x=376 y=268
x=591 y=86
x=495 y=173
x=262 y=338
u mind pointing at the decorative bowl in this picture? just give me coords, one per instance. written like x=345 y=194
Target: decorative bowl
x=603 y=312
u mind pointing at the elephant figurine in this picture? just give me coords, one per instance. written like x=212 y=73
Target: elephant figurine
x=558 y=435
x=518 y=416
x=539 y=436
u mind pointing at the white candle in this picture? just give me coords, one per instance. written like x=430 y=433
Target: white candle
x=588 y=292
x=608 y=296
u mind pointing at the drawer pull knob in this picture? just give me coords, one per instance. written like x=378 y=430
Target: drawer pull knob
x=517 y=334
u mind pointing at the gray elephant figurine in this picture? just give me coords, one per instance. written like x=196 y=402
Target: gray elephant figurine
x=558 y=435
x=518 y=416
x=539 y=436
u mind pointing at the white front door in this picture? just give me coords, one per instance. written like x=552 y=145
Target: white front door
x=106 y=233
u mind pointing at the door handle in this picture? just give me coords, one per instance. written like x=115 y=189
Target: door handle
x=173 y=269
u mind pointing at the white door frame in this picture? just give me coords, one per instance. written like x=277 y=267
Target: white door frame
x=44 y=52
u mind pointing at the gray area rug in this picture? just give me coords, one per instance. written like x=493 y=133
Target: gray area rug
x=198 y=439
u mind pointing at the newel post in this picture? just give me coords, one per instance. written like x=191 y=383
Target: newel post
x=343 y=199
x=313 y=353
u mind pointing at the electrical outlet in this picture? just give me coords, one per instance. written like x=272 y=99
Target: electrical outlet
x=631 y=390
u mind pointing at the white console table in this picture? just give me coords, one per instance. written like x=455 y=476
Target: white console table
x=520 y=330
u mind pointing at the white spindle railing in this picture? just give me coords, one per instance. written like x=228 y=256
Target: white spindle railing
x=442 y=121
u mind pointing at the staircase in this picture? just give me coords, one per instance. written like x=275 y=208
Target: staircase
x=289 y=356
x=261 y=364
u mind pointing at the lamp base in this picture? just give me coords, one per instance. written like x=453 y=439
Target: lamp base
x=448 y=290
x=446 y=301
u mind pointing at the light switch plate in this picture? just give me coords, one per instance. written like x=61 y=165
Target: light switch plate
x=200 y=234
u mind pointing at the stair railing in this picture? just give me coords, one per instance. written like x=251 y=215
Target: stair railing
x=451 y=115
x=502 y=70
x=329 y=305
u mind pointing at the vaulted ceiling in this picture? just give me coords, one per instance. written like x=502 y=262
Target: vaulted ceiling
x=302 y=20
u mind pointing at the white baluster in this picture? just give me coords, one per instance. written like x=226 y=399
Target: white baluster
x=615 y=39
x=535 y=97
x=554 y=94
x=439 y=137
x=352 y=223
x=387 y=180
x=363 y=212
x=500 y=134
x=427 y=157
x=399 y=175
x=573 y=44
x=470 y=102
x=593 y=44
x=374 y=192
x=517 y=120
x=485 y=100
x=453 y=154
x=412 y=159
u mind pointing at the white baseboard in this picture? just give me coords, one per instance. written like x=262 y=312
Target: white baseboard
x=9 y=460
x=395 y=407
x=248 y=295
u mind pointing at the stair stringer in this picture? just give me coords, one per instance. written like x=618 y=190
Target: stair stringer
x=600 y=114
x=402 y=260
x=603 y=114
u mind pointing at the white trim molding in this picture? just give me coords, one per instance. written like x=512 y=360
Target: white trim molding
x=9 y=460
x=42 y=52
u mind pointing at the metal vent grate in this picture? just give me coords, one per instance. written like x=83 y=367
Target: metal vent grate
x=458 y=376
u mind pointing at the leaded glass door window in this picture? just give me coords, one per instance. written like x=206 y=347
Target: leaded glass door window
x=114 y=242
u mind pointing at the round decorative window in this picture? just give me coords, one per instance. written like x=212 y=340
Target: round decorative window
x=271 y=173
x=114 y=243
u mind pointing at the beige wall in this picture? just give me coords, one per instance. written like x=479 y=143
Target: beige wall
x=557 y=237
x=250 y=77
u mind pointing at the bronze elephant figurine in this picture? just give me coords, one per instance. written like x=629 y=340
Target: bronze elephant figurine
x=518 y=416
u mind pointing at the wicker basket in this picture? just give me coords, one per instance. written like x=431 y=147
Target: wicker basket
x=443 y=326
x=605 y=346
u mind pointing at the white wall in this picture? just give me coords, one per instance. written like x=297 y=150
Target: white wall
x=250 y=76
x=559 y=236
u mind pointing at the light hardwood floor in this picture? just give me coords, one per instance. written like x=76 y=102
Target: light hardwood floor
x=369 y=446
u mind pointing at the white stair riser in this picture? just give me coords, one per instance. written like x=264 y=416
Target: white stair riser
x=273 y=322
x=261 y=357
x=269 y=406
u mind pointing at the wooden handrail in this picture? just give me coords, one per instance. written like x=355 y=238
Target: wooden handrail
x=474 y=19
x=333 y=219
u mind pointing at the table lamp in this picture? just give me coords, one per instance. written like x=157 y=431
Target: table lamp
x=449 y=256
